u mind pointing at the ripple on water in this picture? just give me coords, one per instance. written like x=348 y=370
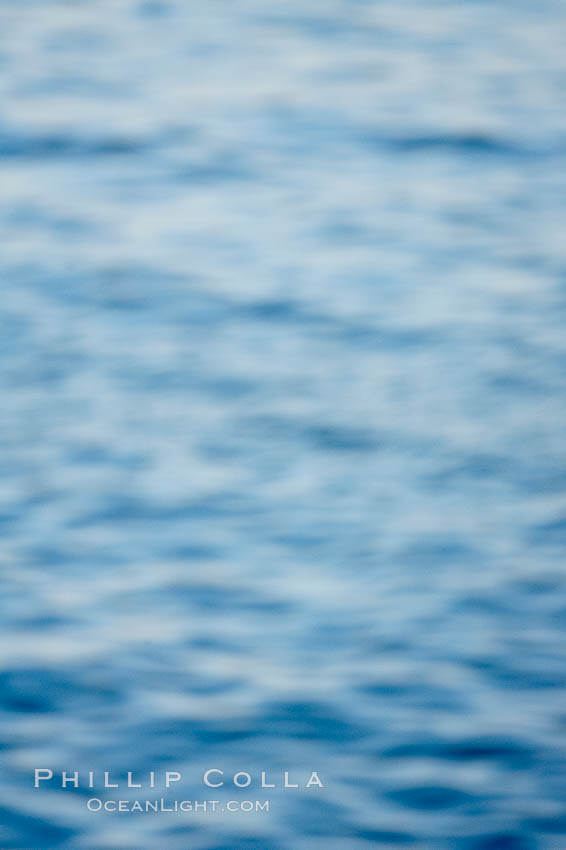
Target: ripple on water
x=282 y=412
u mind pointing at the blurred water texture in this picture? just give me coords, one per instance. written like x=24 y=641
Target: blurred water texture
x=283 y=417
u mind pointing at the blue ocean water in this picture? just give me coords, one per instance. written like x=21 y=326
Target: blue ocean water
x=283 y=417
